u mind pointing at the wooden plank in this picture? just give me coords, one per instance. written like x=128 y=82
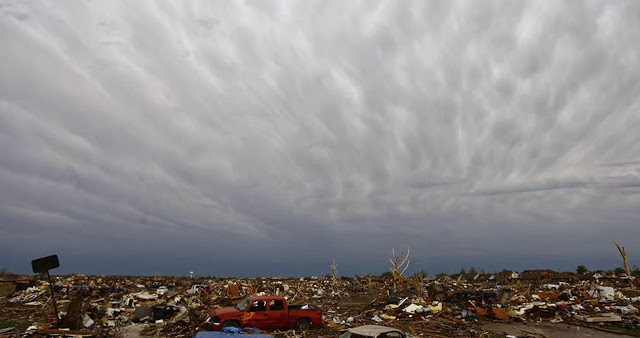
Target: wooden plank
x=605 y=317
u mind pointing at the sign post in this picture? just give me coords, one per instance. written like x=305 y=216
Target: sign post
x=45 y=264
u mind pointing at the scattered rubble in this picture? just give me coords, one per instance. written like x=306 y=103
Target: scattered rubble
x=448 y=306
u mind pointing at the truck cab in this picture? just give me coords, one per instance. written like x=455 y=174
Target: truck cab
x=266 y=312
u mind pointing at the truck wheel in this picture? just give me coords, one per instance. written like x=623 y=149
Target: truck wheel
x=230 y=323
x=303 y=324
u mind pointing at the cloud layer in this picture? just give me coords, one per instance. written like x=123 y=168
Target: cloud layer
x=271 y=137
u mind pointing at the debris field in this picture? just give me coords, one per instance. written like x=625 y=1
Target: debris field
x=425 y=306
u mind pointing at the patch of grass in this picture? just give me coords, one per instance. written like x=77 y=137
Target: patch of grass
x=634 y=332
x=624 y=329
x=20 y=325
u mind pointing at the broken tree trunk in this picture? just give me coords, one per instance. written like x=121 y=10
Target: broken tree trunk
x=625 y=262
x=78 y=307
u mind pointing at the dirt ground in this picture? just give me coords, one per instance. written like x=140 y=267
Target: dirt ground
x=547 y=330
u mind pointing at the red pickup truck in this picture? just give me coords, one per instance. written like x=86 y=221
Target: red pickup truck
x=266 y=312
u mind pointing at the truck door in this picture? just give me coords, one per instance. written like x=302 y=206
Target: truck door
x=256 y=315
x=278 y=318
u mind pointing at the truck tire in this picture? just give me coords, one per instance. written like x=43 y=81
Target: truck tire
x=303 y=324
x=230 y=323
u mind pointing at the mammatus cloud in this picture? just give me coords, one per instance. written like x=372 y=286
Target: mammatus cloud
x=269 y=138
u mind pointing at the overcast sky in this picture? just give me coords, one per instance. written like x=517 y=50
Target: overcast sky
x=271 y=137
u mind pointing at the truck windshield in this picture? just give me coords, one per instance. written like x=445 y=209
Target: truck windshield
x=243 y=304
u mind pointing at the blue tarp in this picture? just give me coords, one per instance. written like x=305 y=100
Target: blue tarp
x=231 y=329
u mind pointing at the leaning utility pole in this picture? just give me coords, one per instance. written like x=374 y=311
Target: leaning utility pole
x=42 y=265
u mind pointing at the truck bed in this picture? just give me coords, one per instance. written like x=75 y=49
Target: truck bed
x=302 y=307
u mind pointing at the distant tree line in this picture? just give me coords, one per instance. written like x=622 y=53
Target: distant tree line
x=4 y=272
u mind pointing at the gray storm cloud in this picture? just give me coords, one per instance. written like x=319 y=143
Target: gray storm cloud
x=271 y=137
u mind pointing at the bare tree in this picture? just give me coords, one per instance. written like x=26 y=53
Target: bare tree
x=334 y=274
x=625 y=262
x=398 y=265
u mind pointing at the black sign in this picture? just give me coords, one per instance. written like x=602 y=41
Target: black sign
x=45 y=264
